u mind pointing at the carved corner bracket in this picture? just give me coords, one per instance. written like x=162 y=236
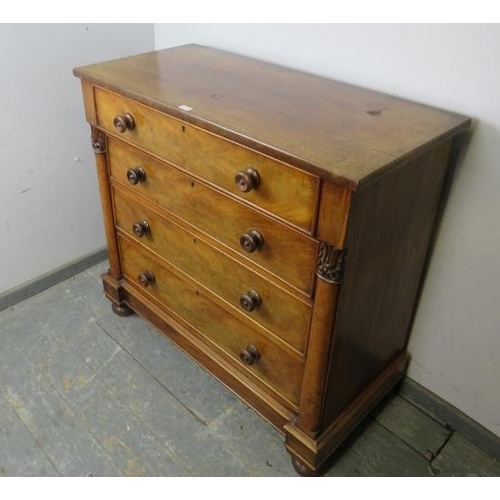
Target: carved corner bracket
x=331 y=263
x=98 y=141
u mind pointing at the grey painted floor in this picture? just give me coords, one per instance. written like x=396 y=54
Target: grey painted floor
x=85 y=392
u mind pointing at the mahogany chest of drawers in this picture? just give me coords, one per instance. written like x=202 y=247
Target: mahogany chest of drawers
x=272 y=223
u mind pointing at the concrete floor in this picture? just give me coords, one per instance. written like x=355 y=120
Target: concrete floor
x=85 y=392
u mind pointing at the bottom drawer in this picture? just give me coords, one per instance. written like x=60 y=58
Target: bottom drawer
x=275 y=364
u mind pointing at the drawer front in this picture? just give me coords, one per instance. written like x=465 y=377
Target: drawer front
x=254 y=296
x=282 y=189
x=287 y=253
x=278 y=367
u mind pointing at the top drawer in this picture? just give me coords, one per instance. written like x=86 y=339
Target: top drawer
x=281 y=189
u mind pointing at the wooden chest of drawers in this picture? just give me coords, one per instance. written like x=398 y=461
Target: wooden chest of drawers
x=273 y=224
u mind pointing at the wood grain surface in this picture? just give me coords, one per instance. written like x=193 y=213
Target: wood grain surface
x=387 y=240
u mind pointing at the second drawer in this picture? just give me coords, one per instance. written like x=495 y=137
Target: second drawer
x=254 y=296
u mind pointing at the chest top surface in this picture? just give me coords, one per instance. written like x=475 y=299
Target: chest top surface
x=333 y=129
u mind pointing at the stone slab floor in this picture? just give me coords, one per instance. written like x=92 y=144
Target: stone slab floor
x=85 y=392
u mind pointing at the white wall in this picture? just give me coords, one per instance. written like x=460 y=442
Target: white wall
x=455 y=340
x=49 y=202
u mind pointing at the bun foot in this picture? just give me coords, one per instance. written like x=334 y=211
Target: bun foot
x=122 y=309
x=302 y=469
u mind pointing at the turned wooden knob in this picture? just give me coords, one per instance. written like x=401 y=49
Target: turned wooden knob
x=250 y=355
x=146 y=278
x=247 y=180
x=251 y=241
x=122 y=123
x=141 y=228
x=136 y=175
x=250 y=300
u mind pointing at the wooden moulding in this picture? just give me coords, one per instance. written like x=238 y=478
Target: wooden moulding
x=334 y=209
x=99 y=146
x=98 y=143
x=309 y=454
